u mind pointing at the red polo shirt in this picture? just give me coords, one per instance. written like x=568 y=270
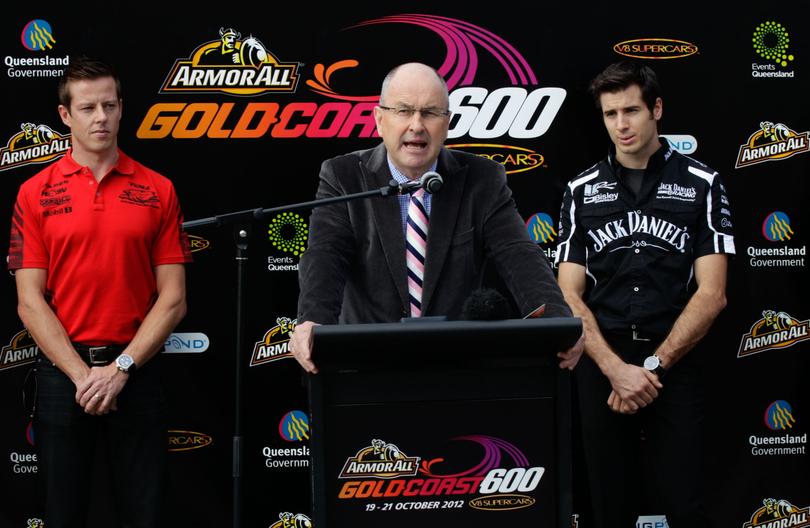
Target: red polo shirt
x=99 y=243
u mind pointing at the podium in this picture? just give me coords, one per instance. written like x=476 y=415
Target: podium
x=436 y=424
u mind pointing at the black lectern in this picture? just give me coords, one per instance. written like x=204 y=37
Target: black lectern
x=436 y=424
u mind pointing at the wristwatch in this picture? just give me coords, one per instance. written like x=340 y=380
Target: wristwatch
x=653 y=364
x=125 y=363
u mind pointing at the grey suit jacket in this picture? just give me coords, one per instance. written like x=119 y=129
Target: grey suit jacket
x=353 y=270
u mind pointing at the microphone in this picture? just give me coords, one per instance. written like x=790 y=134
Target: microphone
x=486 y=304
x=430 y=181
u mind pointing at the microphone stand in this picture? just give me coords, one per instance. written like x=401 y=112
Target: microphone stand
x=241 y=221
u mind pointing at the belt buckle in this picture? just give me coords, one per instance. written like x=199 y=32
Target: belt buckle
x=636 y=337
x=91 y=351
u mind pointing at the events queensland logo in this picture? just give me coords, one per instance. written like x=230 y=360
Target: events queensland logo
x=771 y=42
x=776 y=330
x=772 y=142
x=288 y=233
x=34 y=143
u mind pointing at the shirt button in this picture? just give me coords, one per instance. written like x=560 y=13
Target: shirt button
x=633 y=327
x=638 y=212
x=637 y=250
x=635 y=289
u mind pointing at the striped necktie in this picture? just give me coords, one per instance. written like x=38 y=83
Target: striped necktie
x=416 y=249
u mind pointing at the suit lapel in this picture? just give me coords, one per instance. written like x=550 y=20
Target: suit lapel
x=387 y=220
x=444 y=210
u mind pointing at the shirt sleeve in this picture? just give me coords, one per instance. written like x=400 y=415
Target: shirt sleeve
x=715 y=233
x=26 y=246
x=571 y=247
x=171 y=245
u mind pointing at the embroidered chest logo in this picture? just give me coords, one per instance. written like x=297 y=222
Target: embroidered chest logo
x=141 y=195
x=593 y=193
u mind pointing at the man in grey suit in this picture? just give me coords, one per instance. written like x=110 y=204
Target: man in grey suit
x=354 y=270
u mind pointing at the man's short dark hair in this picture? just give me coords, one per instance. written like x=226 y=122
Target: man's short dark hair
x=85 y=69
x=621 y=75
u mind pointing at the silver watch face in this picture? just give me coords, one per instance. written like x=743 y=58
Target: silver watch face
x=124 y=361
x=652 y=363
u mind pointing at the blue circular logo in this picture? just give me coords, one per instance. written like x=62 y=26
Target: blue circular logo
x=541 y=228
x=37 y=35
x=779 y=416
x=294 y=426
x=776 y=227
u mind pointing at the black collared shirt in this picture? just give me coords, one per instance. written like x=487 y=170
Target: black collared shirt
x=639 y=248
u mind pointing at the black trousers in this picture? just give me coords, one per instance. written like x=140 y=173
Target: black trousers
x=649 y=463
x=66 y=439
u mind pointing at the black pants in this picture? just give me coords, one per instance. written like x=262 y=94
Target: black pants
x=136 y=440
x=648 y=463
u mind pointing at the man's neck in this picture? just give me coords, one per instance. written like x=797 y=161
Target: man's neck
x=99 y=163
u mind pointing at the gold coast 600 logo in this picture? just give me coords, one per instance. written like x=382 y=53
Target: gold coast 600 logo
x=772 y=142
x=778 y=513
x=234 y=65
x=774 y=331
x=33 y=144
x=275 y=343
x=383 y=471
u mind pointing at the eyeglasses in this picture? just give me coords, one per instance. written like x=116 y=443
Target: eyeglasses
x=407 y=112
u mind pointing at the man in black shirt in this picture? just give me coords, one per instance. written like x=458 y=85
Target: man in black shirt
x=644 y=239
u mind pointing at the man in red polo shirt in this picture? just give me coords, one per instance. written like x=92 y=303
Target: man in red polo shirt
x=98 y=253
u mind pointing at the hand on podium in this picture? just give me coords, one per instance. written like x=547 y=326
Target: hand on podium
x=301 y=345
x=569 y=358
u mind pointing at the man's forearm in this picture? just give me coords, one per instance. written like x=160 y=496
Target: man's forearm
x=691 y=326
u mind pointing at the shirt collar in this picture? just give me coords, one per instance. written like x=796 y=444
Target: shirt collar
x=656 y=161
x=401 y=178
x=69 y=166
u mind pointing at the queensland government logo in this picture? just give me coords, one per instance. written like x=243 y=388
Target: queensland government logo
x=33 y=144
x=779 y=419
x=294 y=426
x=232 y=65
x=541 y=230
x=777 y=228
x=292 y=520
x=275 y=343
x=655 y=48
x=778 y=513
x=383 y=471
x=37 y=35
x=772 y=142
x=21 y=350
x=771 y=42
x=776 y=330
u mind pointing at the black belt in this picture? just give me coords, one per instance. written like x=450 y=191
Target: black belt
x=98 y=355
